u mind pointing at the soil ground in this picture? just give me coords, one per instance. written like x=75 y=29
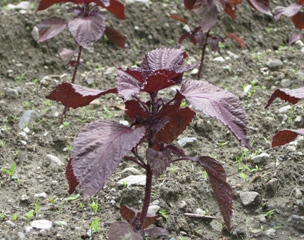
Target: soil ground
x=40 y=185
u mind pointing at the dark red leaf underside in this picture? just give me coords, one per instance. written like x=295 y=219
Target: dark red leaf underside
x=230 y=11
x=301 y=1
x=175 y=126
x=170 y=108
x=298 y=20
x=179 y=18
x=132 y=215
x=286 y=136
x=219 y=103
x=157 y=82
x=74 y=96
x=236 y=38
x=261 y=6
x=289 y=95
x=73 y=183
x=123 y=231
x=87 y=30
x=135 y=110
x=288 y=11
x=116 y=7
x=97 y=151
x=222 y=190
x=51 y=28
x=115 y=37
x=189 y=4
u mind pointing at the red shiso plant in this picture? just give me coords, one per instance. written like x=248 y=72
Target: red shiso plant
x=148 y=141
x=209 y=13
x=87 y=26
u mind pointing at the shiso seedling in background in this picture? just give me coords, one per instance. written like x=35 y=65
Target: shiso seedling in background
x=87 y=26
x=209 y=13
x=155 y=123
x=292 y=96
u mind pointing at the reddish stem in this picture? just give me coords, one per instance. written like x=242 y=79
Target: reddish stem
x=199 y=74
x=72 y=81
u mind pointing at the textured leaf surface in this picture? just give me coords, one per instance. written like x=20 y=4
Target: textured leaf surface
x=218 y=103
x=261 y=6
x=115 y=37
x=51 y=28
x=74 y=96
x=127 y=85
x=123 y=231
x=286 y=136
x=222 y=190
x=288 y=11
x=177 y=123
x=88 y=29
x=289 y=95
x=169 y=59
x=97 y=151
x=136 y=111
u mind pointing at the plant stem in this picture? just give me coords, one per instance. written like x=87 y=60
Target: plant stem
x=73 y=80
x=199 y=74
x=147 y=197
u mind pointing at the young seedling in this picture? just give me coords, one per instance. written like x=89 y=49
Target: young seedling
x=155 y=123
x=94 y=206
x=10 y=172
x=86 y=26
x=209 y=13
x=29 y=215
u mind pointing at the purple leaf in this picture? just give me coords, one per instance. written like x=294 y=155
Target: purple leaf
x=66 y=53
x=260 y=5
x=222 y=190
x=167 y=60
x=156 y=232
x=127 y=85
x=291 y=96
x=87 y=29
x=286 y=136
x=221 y=104
x=115 y=37
x=50 y=28
x=156 y=82
x=158 y=160
x=209 y=18
x=298 y=21
x=123 y=231
x=288 y=11
x=97 y=151
x=74 y=96
x=295 y=38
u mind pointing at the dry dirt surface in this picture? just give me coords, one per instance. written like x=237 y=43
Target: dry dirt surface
x=267 y=183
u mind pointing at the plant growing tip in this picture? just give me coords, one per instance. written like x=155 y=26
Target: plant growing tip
x=155 y=123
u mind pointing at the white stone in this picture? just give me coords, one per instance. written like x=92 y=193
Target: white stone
x=219 y=59
x=54 y=159
x=248 y=198
x=153 y=209
x=186 y=140
x=42 y=224
x=133 y=180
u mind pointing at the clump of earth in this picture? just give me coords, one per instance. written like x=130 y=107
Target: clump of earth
x=267 y=183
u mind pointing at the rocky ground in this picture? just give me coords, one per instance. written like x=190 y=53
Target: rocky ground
x=267 y=183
